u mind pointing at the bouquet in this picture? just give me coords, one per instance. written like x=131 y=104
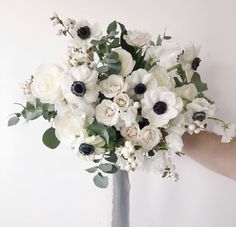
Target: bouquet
x=120 y=100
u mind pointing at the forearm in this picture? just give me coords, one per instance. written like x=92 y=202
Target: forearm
x=207 y=149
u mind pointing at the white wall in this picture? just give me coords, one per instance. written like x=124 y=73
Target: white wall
x=39 y=187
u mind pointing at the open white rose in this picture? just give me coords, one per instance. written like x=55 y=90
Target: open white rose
x=149 y=137
x=188 y=91
x=46 y=83
x=69 y=125
x=137 y=38
x=127 y=62
x=122 y=100
x=107 y=113
x=131 y=132
x=113 y=85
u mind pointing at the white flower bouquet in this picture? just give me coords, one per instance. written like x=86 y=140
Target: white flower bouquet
x=120 y=100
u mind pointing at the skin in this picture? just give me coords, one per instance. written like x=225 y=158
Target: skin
x=206 y=148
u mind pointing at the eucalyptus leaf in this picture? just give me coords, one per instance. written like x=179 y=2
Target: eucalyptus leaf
x=196 y=80
x=49 y=138
x=112 y=157
x=92 y=169
x=100 y=180
x=13 y=121
x=102 y=69
x=108 y=168
x=111 y=27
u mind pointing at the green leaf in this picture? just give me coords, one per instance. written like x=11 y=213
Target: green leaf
x=167 y=37
x=96 y=160
x=102 y=69
x=196 y=79
x=100 y=180
x=92 y=169
x=177 y=82
x=159 y=40
x=115 y=43
x=13 y=121
x=31 y=114
x=114 y=68
x=99 y=129
x=50 y=139
x=112 y=157
x=111 y=27
x=108 y=168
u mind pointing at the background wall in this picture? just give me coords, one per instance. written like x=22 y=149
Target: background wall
x=39 y=187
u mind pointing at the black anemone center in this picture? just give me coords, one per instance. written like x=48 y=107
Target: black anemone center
x=160 y=108
x=84 y=32
x=199 y=116
x=78 y=88
x=140 y=88
x=86 y=149
x=196 y=63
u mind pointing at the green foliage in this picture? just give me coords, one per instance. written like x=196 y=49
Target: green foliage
x=49 y=138
x=100 y=180
x=108 y=168
x=107 y=133
x=13 y=121
x=111 y=157
x=111 y=27
x=196 y=79
x=92 y=169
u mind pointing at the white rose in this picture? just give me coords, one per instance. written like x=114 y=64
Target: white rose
x=131 y=132
x=149 y=137
x=137 y=38
x=113 y=85
x=46 y=83
x=69 y=125
x=127 y=62
x=122 y=100
x=107 y=113
x=188 y=91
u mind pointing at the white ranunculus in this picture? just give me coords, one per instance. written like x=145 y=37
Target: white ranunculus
x=127 y=62
x=46 y=83
x=162 y=77
x=107 y=112
x=122 y=100
x=131 y=132
x=137 y=38
x=188 y=91
x=161 y=105
x=68 y=125
x=149 y=136
x=113 y=85
x=165 y=55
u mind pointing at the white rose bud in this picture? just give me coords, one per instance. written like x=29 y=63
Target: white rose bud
x=137 y=38
x=131 y=132
x=107 y=113
x=113 y=85
x=149 y=136
x=122 y=100
x=127 y=62
x=188 y=91
x=46 y=83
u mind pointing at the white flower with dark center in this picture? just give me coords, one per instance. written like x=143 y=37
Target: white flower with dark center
x=149 y=136
x=160 y=105
x=107 y=113
x=81 y=85
x=83 y=32
x=123 y=101
x=113 y=85
x=164 y=55
x=46 y=83
x=189 y=59
x=88 y=147
x=227 y=131
x=137 y=38
x=197 y=113
x=131 y=132
x=127 y=62
x=140 y=82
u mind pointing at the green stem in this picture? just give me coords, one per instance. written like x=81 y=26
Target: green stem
x=173 y=67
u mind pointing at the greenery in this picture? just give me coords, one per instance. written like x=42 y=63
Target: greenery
x=49 y=138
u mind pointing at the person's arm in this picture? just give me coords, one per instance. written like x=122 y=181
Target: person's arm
x=207 y=149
